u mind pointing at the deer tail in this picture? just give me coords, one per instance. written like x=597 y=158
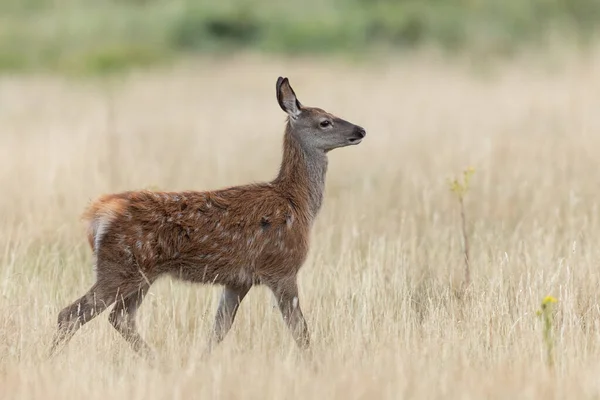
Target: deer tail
x=100 y=214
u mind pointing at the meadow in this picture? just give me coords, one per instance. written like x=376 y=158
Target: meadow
x=98 y=37
x=382 y=288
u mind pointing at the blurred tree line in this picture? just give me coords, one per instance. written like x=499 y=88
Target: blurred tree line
x=104 y=35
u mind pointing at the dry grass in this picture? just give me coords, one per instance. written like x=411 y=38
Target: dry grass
x=381 y=288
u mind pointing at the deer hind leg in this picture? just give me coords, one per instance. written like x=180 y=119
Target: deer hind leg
x=122 y=318
x=83 y=310
x=286 y=294
x=229 y=303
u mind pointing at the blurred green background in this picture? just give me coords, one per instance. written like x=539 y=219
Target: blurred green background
x=98 y=36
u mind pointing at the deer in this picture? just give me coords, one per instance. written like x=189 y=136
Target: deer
x=236 y=237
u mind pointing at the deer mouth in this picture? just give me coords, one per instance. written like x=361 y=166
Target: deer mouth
x=358 y=135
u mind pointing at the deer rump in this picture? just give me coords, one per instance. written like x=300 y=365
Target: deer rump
x=236 y=236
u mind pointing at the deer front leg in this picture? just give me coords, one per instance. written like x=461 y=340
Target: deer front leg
x=229 y=303
x=286 y=294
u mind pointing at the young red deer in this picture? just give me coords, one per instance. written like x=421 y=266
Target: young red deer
x=236 y=237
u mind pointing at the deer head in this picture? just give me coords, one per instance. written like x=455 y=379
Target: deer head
x=313 y=127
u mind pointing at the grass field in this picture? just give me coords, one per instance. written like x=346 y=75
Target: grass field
x=99 y=37
x=382 y=286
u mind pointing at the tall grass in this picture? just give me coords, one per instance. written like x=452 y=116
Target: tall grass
x=380 y=286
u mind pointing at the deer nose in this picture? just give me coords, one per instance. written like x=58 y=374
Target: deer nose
x=360 y=132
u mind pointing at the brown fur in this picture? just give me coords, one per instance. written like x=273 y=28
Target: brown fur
x=236 y=237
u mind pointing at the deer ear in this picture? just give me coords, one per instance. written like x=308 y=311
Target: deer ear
x=287 y=98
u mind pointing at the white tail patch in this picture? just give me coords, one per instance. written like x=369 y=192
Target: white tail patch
x=100 y=216
x=99 y=227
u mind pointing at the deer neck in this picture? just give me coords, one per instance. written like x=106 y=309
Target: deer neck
x=302 y=174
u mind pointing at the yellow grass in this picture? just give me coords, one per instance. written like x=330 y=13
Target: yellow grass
x=381 y=288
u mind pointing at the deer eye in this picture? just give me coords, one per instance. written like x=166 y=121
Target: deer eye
x=325 y=123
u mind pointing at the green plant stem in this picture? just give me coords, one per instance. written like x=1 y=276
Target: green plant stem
x=467 y=281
